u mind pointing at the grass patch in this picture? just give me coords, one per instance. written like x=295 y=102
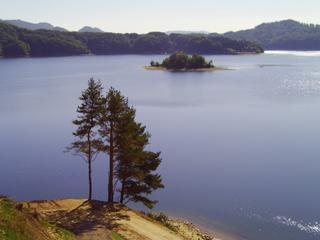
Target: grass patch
x=20 y=225
x=116 y=236
x=7 y=233
x=8 y=218
x=163 y=219
x=61 y=233
x=6 y=209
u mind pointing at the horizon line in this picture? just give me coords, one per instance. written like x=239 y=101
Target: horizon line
x=163 y=31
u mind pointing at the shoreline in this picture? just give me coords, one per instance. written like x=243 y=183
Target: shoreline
x=205 y=232
x=184 y=70
x=206 y=228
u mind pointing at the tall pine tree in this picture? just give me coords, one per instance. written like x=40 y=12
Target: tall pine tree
x=88 y=143
x=122 y=138
x=114 y=107
x=136 y=167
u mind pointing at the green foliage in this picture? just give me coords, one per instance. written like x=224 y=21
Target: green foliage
x=16 y=49
x=60 y=233
x=10 y=44
x=155 y=43
x=284 y=35
x=88 y=144
x=125 y=141
x=114 y=108
x=56 y=43
x=17 y=42
x=6 y=209
x=177 y=60
x=160 y=217
x=52 y=43
x=9 y=220
x=136 y=166
x=155 y=64
x=107 y=124
x=19 y=225
x=180 y=60
x=163 y=219
x=211 y=44
x=116 y=236
x=8 y=233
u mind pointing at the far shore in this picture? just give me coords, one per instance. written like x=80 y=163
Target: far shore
x=185 y=70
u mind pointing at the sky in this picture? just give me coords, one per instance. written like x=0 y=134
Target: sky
x=160 y=15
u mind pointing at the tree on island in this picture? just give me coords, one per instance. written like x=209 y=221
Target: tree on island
x=88 y=144
x=181 y=60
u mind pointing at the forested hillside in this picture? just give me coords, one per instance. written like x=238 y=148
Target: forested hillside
x=19 y=42
x=283 y=35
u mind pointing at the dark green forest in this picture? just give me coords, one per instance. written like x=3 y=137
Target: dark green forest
x=19 y=42
x=181 y=60
x=283 y=35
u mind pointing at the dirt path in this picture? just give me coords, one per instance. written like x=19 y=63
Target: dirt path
x=138 y=227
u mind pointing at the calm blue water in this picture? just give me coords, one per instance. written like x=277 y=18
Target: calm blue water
x=240 y=148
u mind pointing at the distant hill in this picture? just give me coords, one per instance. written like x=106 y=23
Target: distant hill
x=282 y=35
x=187 y=32
x=90 y=29
x=20 y=42
x=34 y=26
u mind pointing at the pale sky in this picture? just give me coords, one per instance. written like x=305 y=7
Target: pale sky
x=160 y=15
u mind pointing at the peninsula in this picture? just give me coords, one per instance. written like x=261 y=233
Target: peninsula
x=72 y=219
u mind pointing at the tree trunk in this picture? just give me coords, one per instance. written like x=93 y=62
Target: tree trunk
x=90 y=182
x=122 y=191
x=111 y=152
x=89 y=168
x=123 y=183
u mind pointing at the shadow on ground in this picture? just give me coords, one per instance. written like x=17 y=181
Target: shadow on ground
x=88 y=217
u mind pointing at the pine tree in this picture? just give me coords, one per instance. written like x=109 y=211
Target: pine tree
x=136 y=166
x=114 y=106
x=88 y=144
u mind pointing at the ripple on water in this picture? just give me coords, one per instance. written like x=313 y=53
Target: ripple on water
x=313 y=228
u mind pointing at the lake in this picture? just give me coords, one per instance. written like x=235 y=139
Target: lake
x=240 y=147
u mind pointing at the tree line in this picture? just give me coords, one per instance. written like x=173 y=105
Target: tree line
x=106 y=124
x=282 y=35
x=19 y=42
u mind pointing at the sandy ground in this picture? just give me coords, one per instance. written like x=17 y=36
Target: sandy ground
x=138 y=227
x=97 y=220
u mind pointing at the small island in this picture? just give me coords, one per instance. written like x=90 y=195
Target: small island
x=181 y=61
